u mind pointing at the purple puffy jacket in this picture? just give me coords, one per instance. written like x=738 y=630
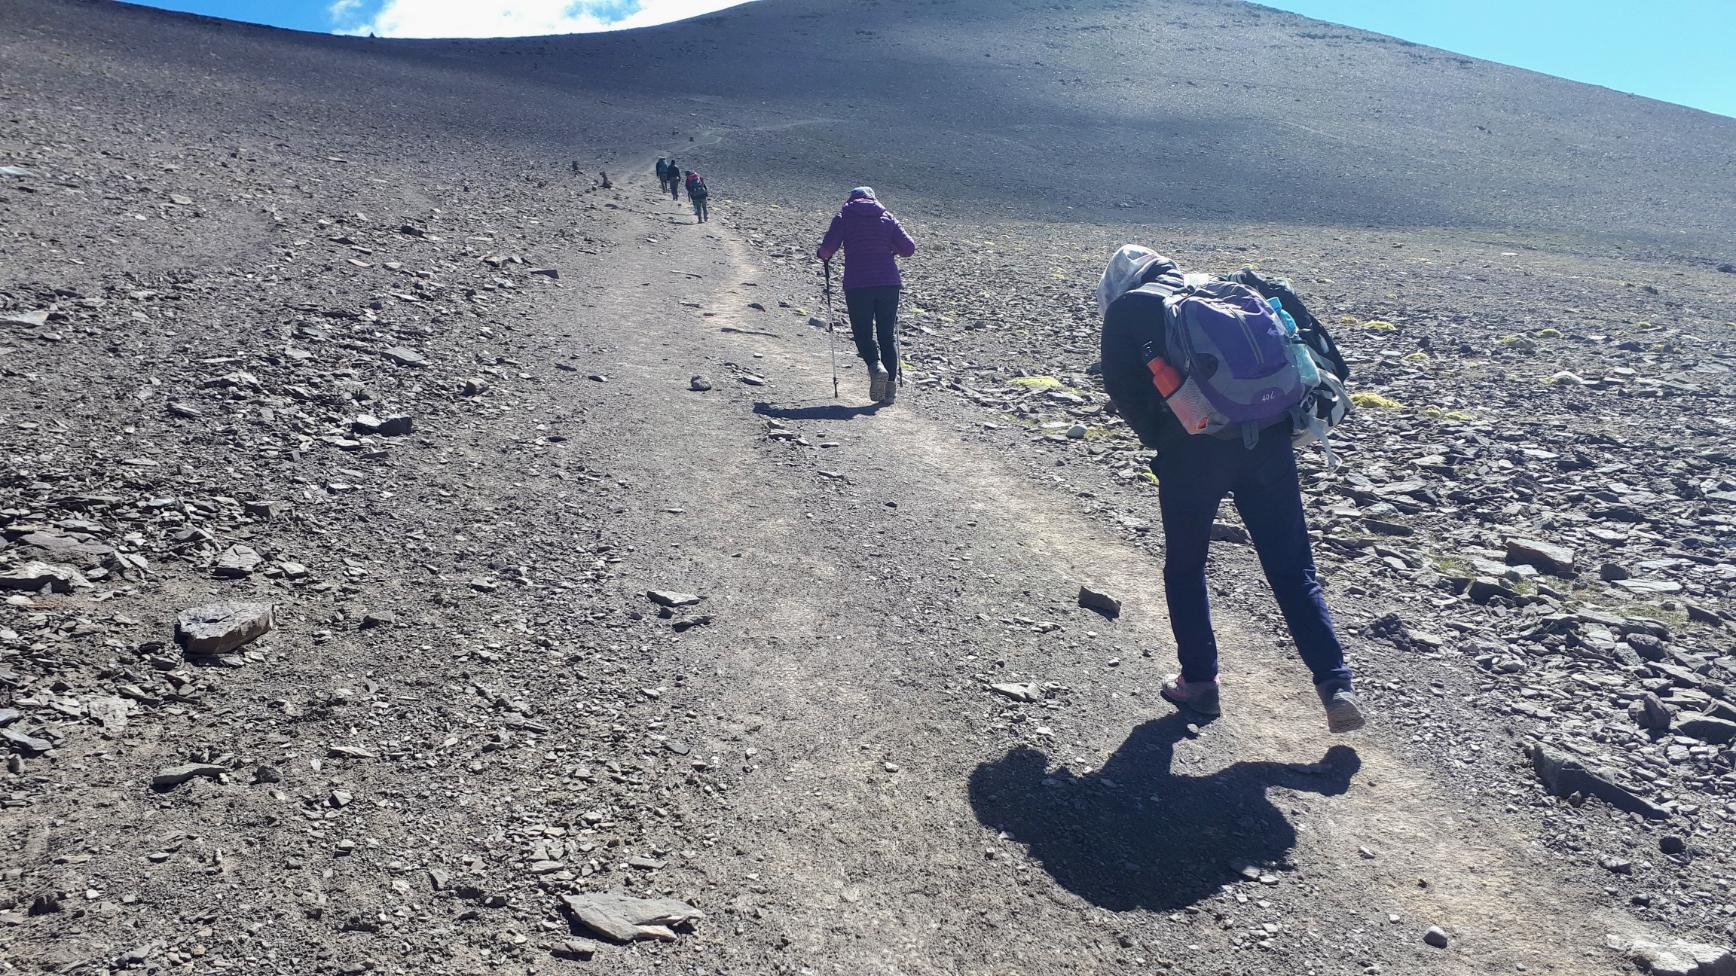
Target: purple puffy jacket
x=872 y=241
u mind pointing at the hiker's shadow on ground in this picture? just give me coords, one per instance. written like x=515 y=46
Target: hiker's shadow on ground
x=1135 y=835
x=815 y=411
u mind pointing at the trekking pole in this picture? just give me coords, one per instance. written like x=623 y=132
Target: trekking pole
x=831 y=328
x=898 y=345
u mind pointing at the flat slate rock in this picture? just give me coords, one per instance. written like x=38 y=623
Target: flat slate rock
x=1644 y=586
x=349 y=752
x=623 y=918
x=65 y=549
x=1546 y=556
x=174 y=776
x=108 y=710
x=1682 y=959
x=396 y=425
x=33 y=576
x=1103 y=603
x=405 y=356
x=1383 y=527
x=1484 y=588
x=1564 y=776
x=222 y=627
x=580 y=949
x=1707 y=728
x=237 y=562
x=671 y=599
x=28 y=744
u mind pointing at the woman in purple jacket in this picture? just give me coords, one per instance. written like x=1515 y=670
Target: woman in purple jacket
x=872 y=241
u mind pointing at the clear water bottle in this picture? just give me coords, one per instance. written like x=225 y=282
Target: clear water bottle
x=1190 y=406
x=1299 y=353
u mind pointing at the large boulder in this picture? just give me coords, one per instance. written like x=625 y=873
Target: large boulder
x=1545 y=556
x=59 y=548
x=623 y=918
x=222 y=627
x=1682 y=959
x=1103 y=603
x=1708 y=728
x=33 y=576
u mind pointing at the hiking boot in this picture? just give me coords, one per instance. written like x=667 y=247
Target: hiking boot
x=890 y=394
x=1200 y=697
x=877 y=382
x=1343 y=709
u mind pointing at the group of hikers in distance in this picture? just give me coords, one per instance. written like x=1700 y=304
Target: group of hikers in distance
x=1223 y=378
x=670 y=177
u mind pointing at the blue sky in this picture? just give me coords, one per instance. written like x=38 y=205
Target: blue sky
x=1680 y=51
x=449 y=18
x=1675 y=50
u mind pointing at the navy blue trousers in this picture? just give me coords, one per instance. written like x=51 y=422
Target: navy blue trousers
x=1193 y=476
x=874 y=324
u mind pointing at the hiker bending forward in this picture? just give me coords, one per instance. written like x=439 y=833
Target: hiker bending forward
x=1194 y=473
x=873 y=242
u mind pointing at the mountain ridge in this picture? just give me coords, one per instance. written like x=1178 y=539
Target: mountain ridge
x=1325 y=125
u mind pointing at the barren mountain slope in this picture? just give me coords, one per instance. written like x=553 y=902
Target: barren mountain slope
x=1181 y=109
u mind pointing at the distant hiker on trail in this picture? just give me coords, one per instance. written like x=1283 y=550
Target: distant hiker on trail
x=1195 y=367
x=873 y=242
x=674 y=181
x=662 y=173
x=697 y=194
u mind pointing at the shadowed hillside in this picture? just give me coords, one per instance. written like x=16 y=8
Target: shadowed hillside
x=1149 y=111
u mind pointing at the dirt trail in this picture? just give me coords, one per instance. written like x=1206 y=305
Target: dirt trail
x=864 y=586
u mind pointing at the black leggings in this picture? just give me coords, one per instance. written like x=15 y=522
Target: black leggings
x=875 y=311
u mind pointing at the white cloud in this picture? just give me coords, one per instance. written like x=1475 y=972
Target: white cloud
x=512 y=18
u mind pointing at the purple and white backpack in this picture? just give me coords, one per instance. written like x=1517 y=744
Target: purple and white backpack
x=1236 y=357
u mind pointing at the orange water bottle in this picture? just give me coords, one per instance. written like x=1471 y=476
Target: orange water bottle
x=1181 y=394
x=1163 y=375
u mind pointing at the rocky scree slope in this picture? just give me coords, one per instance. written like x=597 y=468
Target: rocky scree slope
x=277 y=632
